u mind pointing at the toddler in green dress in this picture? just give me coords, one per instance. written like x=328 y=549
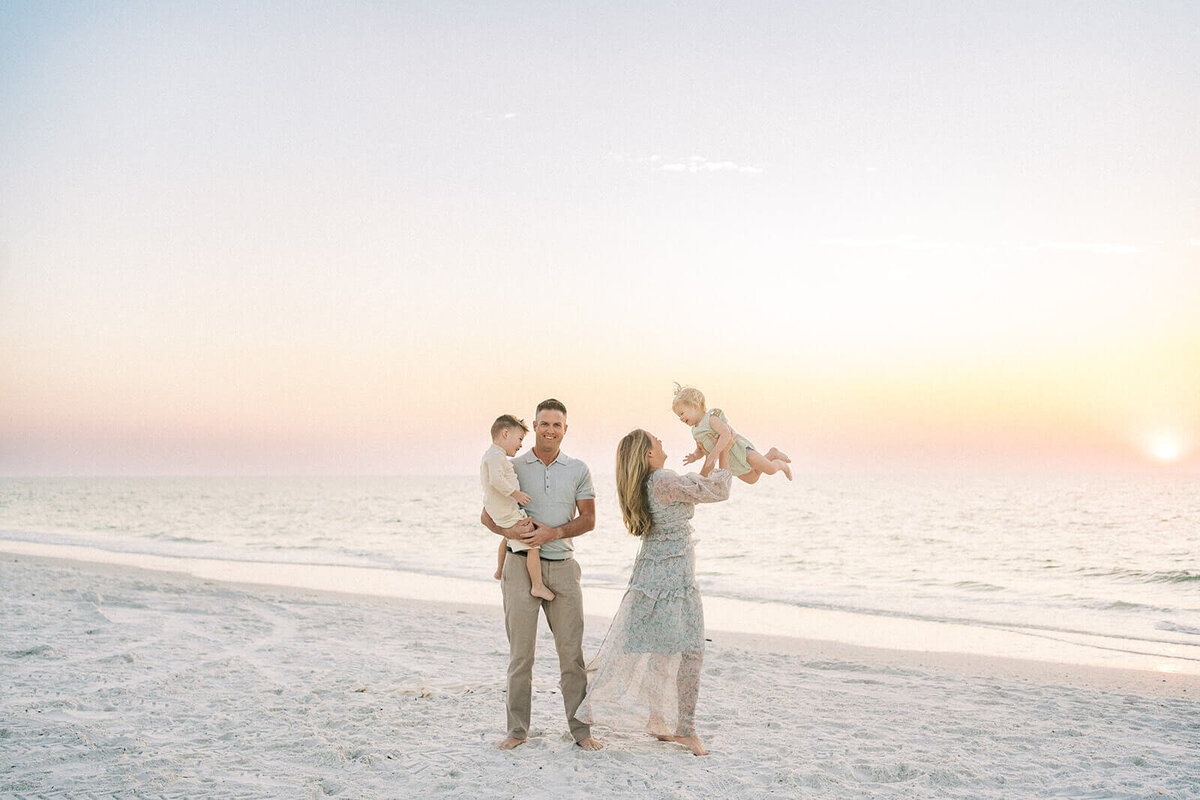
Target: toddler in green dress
x=711 y=430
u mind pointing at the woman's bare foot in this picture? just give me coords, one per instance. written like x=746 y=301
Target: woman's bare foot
x=692 y=743
x=542 y=592
x=510 y=743
x=656 y=723
x=775 y=454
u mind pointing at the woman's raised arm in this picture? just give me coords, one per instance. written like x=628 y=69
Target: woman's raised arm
x=670 y=487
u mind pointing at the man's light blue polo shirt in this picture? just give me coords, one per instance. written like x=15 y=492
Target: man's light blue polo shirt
x=553 y=491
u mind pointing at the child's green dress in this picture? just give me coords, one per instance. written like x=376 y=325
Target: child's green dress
x=707 y=438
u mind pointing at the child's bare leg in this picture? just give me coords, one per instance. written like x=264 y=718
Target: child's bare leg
x=500 y=559
x=767 y=466
x=533 y=562
x=750 y=477
x=775 y=454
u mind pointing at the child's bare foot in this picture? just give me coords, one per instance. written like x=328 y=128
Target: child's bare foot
x=785 y=469
x=542 y=592
x=692 y=743
x=775 y=454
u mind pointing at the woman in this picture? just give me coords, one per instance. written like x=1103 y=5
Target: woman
x=647 y=673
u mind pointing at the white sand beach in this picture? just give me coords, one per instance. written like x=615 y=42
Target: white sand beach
x=125 y=682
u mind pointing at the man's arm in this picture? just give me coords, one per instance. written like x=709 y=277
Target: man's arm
x=584 y=522
x=508 y=533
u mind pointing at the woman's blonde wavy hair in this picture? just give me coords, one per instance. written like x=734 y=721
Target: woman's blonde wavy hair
x=632 y=471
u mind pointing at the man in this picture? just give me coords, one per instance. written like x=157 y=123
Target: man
x=562 y=506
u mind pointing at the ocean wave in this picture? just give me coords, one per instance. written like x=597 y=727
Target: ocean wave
x=183 y=547
x=977 y=586
x=1141 y=576
x=1176 y=628
x=1026 y=627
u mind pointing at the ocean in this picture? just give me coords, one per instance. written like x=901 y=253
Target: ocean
x=1110 y=558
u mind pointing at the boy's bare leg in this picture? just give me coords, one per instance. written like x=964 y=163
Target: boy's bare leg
x=500 y=559
x=533 y=562
x=766 y=466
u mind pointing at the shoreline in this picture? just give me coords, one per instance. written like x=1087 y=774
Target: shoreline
x=729 y=623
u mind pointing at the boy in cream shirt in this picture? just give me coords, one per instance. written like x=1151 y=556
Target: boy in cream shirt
x=502 y=495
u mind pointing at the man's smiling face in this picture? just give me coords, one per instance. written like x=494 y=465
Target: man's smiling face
x=549 y=429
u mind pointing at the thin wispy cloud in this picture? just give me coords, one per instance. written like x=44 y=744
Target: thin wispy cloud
x=904 y=242
x=1100 y=248
x=914 y=242
x=691 y=164
x=695 y=164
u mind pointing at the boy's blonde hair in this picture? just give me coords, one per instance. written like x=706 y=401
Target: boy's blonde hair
x=508 y=422
x=688 y=396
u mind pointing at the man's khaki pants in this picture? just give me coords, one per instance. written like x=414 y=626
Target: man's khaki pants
x=565 y=615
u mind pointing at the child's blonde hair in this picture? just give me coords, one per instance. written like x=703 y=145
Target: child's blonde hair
x=508 y=422
x=688 y=396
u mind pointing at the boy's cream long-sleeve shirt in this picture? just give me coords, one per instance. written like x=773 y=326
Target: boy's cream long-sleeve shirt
x=499 y=481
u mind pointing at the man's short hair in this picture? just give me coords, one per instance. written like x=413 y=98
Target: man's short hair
x=508 y=422
x=550 y=404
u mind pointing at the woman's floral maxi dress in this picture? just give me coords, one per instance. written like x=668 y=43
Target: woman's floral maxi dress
x=647 y=673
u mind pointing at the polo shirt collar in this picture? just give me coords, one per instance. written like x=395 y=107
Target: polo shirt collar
x=531 y=457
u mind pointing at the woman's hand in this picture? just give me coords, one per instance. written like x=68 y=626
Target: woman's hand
x=720 y=451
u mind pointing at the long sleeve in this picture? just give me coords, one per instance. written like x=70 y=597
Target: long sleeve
x=504 y=481
x=670 y=487
x=499 y=474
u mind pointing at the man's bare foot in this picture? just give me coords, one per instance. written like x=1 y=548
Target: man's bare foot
x=775 y=454
x=786 y=470
x=510 y=743
x=692 y=743
x=590 y=744
x=542 y=592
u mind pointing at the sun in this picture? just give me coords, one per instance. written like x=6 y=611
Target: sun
x=1166 y=447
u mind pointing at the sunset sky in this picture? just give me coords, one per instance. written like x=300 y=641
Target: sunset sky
x=306 y=239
